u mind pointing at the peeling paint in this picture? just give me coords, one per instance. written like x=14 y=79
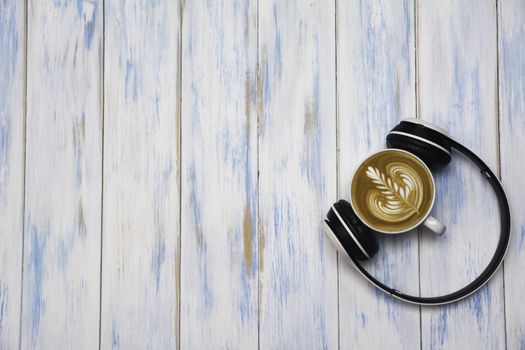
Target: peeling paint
x=247 y=234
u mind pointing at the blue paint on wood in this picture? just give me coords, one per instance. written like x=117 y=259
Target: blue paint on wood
x=60 y=3
x=522 y=237
x=4 y=301
x=89 y=28
x=157 y=260
x=278 y=65
x=210 y=6
x=8 y=46
x=38 y=242
x=203 y=272
x=78 y=145
x=363 y=319
x=89 y=19
x=162 y=187
x=267 y=90
x=406 y=49
x=131 y=81
x=513 y=66
x=189 y=43
x=246 y=21
x=376 y=65
x=458 y=88
x=5 y=143
x=465 y=100
x=282 y=282
x=195 y=204
x=281 y=285
x=442 y=327
x=229 y=150
x=450 y=180
x=63 y=254
x=383 y=275
x=236 y=5
x=477 y=304
x=245 y=307
x=195 y=110
x=311 y=160
x=321 y=316
x=80 y=7
x=115 y=339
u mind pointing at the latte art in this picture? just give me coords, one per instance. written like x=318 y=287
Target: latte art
x=396 y=196
x=392 y=191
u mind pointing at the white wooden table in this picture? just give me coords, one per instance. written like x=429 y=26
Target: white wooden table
x=165 y=166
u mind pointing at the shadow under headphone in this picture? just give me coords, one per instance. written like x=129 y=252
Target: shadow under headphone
x=433 y=146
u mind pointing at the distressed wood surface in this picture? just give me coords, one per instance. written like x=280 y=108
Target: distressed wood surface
x=165 y=167
x=139 y=293
x=297 y=169
x=511 y=16
x=219 y=265
x=457 y=89
x=375 y=81
x=12 y=83
x=60 y=292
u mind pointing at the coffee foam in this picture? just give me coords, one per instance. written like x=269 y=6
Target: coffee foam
x=392 y=191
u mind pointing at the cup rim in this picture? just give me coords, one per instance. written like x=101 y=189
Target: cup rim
x=423 y=218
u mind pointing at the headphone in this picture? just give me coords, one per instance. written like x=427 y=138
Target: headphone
x=433 y=146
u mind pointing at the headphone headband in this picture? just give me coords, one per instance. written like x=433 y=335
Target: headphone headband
x=501 y=249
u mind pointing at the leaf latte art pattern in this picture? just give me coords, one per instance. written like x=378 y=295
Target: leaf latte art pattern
x=397 y=194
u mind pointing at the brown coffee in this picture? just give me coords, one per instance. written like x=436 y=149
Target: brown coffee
x=392 y=191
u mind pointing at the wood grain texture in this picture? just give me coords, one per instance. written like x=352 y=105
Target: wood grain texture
x=219 y=270
x=457 y=81
x=511 y=16
x=12 y=81
x=141 y=178
x=375 y=80
x=297 y=160
x=63 y=180
x=188 y=151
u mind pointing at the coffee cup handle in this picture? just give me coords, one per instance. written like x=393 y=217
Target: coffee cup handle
x=434 y=225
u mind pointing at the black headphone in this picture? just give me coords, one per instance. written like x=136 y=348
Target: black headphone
x=433 y=146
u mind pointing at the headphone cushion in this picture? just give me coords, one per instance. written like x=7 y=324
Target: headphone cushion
x=344 y=238
x=362 y=233
x=429 y=154
x=411 y=137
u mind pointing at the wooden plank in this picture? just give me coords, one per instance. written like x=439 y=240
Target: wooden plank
x=141 y=175
x=219 y=176
x=375 y=80
x=297 y=158
x=12 y=78
x=512 y=137
x=457 y=61
x=63 y=181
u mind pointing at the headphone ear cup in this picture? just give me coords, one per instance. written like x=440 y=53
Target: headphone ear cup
x=432 y=147
x=360 y=243
x=427 y=153
x=363 y=233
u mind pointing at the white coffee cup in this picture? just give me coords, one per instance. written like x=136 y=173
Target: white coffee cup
x=410 y=161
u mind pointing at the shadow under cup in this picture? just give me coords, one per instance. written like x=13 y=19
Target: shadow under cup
x=392 y=191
